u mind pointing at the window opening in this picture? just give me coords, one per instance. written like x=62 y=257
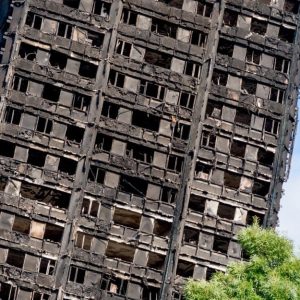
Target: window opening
x=67 y=166
x=47 y=266
x=33 y=20
x=12 y=115
x=139 y=152
x=232 y=180
x=191 y=236
x=133 y=185
x=145 y=120
x=197 y=203
x=221 y=244
x=96 y=174
x=103 y=142
x=83 y=241
x=226 y=211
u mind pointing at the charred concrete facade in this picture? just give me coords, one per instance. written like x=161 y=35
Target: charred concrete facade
x=137 y=138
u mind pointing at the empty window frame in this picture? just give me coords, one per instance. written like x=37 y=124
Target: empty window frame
x=34 y=20
x=191 y=236
x=221 y=244
x=225 y=47
x=175 y=163
x=260 y=188
x=155 y=261
x=103 y=142
x=81 y=102
x=8 y=292
x=15 y=258
x=238 y=148
x=12 y=115
x=129 y=17
x=44 y=125
x=110 y=110
x=83 y=241
x=123 y=48
x=208 y=139
x=58 y=60
x=96 y=174
x=53 y=233
x=197 y=203
x=230 y=18
x=248 y=86
x=202 y=171
x=259 y=26
x=253 y=56
x=40 y=296
x=187 y=100
x=145 y=120
x=182 y=131
x=271 y=126
x=116 y=78
x=88 y=70
x=232 y=180
x=95 y=39
x=74 y=134
x=151 y=292
x=173 y=3
x=209 y=273
x=219 y=77
x=291 y=6
x=204 y=8
x=265 y=157
x=139 y=152
x=7 y=148
x=243 y=116
x=226 y=211
x=20 y=84
x=120 y=251
x=168 y=195
x=76 y=275
x=21 y=225
x=90 y=208
x=51 y=92
x=286 y=34
x=36 y=158
x=213 y=109
x=101 y=8
x=251 y=215
x=64 y=30
x=158 y=59
x=163 y=27
x=162 y=228
x=114 y=285
x=133 y=185
x=72 y=3
x=27 y=51
x=47 y=266
x=67 y=166
x=276 y=95
x=127 y=218
x=282 y=65
x=185 y=268
x=153 y=90
x=45 y=195
x=192 y=69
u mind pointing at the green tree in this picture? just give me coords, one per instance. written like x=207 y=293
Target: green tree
x=272 y=272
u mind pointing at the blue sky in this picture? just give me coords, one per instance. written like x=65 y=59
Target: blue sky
x=289 y=216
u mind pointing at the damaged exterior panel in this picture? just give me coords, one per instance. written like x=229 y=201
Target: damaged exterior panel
x=137 y=138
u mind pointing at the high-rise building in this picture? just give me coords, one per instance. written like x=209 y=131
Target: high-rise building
x=137 y=138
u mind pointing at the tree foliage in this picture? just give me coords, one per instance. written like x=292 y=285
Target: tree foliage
x=272 y=272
